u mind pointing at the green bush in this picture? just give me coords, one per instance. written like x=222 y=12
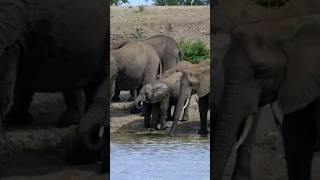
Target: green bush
x=193 y=51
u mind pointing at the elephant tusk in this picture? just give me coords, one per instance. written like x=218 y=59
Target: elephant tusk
x=184 y=107
x=245 y=132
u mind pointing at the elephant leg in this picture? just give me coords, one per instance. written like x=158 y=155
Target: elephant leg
x=116 y=96
x=299 y=142
x=132 y=96
x=75 y=101
x=242 y=170
x=147 y=115
x=163 y=109
x=203 y=104
x=156 y=116
x=19 y=113
x=317 y=123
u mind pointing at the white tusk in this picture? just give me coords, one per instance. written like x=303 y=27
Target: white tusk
x=141 y=103
x=245 y=132
x=184 y=107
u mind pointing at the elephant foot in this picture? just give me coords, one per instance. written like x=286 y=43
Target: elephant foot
x=135 y=110
x=68 y=118
x=18 y=119
x=203 y=132
x=131 y=98
x=115 y=99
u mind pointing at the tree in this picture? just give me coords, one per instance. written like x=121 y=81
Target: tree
x=118 y=2
x=180 y=2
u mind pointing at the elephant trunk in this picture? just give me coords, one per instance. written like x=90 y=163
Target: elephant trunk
x=138 y=101
x=90 y=125
x=240 y=98
x=185 y=92
x=94 y=119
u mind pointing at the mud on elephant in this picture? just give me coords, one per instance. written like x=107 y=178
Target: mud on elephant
x=195 y=80
x=265 y=62
x=167 y=50
x=162 y=95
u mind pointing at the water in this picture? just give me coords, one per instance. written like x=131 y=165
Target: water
x=147 y=157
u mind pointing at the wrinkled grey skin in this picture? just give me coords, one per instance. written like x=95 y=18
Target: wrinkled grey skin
x=59 y=46
x=134 y=64
x=165 y=92
x=266 y=62
x=195 y=79
x=229 y=14
x=166 y=48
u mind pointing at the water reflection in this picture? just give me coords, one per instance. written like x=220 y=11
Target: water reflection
x=142 y=157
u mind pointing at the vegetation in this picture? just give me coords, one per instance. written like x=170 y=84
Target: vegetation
x=141 y=8
x=194 y=51
x=118 y=2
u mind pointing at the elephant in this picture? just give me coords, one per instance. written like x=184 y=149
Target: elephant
x=166 y=48
x=52 y=46
x=194 y=80
x=164 y=92
x=134 y=64
x=265 y=62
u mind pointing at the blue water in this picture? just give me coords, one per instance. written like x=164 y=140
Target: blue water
x=143 y=157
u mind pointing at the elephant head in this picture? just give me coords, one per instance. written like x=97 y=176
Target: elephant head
x=152 y=93
x=265 y=62
x=195 y=79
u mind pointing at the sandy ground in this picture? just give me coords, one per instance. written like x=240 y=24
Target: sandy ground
x=174 y=21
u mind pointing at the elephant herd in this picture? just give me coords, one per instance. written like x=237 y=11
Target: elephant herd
x=154 y=68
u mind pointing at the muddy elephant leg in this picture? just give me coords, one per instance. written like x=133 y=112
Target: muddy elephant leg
x=132 y=96
x=242 y=170
x=164 y=105
x=155 y=117
x=75 y=101
x=203 y=104
x=19 y=113
x=147 y=115
x=116 y=96
x=299 y=142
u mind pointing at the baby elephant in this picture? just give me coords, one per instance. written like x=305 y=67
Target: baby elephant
x=161 y=95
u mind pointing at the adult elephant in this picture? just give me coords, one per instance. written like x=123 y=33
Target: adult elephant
x=195 y=79
x=167 y=50
x=134 y=65
x=59 y=46
x=265 y=62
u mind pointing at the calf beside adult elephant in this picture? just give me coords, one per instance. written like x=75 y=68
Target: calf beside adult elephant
x=266 y=62
x=162 y=94
x=195 y=80
x=56 y=48
x=167 y=50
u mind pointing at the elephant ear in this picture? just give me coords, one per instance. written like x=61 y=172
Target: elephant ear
x=204 y=88
x=199 y=78
x=13 y=18
x=301 y=85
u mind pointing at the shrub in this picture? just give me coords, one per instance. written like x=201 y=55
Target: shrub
x=193 y=51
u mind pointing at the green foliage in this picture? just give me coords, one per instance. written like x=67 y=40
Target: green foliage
x=118 y=2
x=193 y=51
x=271 y=3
